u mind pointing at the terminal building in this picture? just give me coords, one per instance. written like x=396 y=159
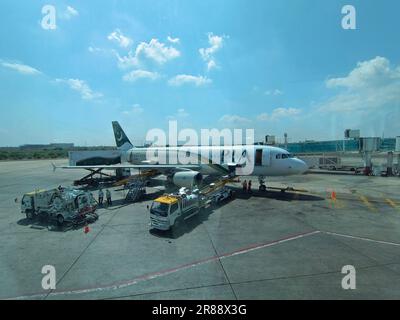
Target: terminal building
x=351 y=145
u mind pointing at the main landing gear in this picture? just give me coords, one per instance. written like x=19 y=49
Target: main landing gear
x=262 y=187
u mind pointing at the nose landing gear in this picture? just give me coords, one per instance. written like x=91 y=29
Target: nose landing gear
x=262 y=187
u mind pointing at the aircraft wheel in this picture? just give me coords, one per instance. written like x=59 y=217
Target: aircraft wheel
x=262 y=188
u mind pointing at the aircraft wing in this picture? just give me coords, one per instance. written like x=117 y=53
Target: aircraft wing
x=217 y=168
x=129 y=166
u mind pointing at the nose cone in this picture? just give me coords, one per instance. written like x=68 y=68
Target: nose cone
x=303 y=167
x=300 y=166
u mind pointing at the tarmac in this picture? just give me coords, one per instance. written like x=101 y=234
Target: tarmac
x=270 y=245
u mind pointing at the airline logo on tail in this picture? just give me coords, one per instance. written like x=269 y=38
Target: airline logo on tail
x=121 y=139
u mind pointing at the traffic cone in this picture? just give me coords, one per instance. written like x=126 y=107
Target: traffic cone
x=86 y=230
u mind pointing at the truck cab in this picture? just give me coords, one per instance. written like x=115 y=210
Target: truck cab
x=163 y=212
x=168 y=210
x=33 y=202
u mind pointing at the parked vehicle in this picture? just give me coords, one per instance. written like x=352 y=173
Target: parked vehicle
x=170 y=210
x=60 y=204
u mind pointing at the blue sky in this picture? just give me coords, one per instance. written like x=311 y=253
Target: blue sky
x=275 y=66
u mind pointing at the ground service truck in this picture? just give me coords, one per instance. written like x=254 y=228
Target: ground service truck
x=170 y=210
x=60 y=204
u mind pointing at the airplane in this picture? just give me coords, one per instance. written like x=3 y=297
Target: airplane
x=265 y=161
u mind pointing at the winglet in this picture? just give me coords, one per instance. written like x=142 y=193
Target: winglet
x=54 y=167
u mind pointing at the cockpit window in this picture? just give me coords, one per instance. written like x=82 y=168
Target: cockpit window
x=284 y=156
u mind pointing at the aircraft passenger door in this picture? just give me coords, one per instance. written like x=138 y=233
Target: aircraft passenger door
x=259 y=157
x=266 y=161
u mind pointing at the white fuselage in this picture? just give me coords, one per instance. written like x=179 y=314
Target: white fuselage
x=262 y=160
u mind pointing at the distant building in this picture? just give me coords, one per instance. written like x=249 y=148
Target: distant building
x=61 y=145
x=47 y=146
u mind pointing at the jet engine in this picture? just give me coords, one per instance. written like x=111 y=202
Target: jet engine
x=187 y=179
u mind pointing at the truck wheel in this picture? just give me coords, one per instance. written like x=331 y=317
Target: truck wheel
x=177 y=224
x=176 y=228
x=60 y=220
x=29 y=214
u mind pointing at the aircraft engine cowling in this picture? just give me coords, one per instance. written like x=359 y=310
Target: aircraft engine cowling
x=187 y=179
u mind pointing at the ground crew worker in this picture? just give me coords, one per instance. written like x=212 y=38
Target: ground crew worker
x=108 y=196
x=249 y=186
x=244 y=185
x=101 y=197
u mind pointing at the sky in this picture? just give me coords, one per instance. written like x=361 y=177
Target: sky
x=274 y=66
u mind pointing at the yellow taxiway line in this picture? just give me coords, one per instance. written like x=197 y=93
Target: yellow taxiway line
x=392 y=203
x=370 y=206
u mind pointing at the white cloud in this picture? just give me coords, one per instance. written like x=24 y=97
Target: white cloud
x=371 y=85
x=275 y=92
x=180 y=113
x=284 y=112
x=211 y=65
x=140 y=74
x=154 y=51
x=182 y=79
x=127 y=61
x=21 y=68
x=93 y=49
x=118 y=37
x=207 y=54
x=216 y=43
x=263 y=117
x=72 y=11
x=96 y=50
x=173 y=40
x=135 y=110
x=374 y=72
x=231 y=118
x=82 y=87
x=69 y=13
x=279 y=113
